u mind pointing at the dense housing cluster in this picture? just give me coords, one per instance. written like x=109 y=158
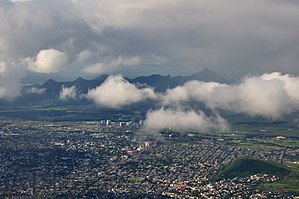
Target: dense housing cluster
x=86 y=159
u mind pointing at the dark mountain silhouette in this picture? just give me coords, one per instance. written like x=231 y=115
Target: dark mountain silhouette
x=159 y=82
x=52 y=87
x=83 y=85
x=207 y=75
x=162 y=83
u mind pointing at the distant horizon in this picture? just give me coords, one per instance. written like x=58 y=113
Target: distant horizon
x=34 y=78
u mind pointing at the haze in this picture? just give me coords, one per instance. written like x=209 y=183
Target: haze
x=71 y=38
x=254 y=41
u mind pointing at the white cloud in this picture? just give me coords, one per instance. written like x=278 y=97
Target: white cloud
x=10 y=77
x=259 y=97
x=190 y=90
x=270 y=95
x=36 y=90
x=290 y=83
x=116 y=92
x=68 y=93
x=178 y=119
x=47 y=61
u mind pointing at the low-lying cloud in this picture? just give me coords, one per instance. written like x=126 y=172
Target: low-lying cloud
x=68 y=93
x=177 y=119
x=35 y=90
x=116 y=92
x=269 y=95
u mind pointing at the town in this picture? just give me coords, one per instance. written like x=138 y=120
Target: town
x=109 y=159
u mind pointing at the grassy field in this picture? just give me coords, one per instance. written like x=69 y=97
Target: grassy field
x=67 y=113
x=267 y=130
x=262 y=136
x=253 y=145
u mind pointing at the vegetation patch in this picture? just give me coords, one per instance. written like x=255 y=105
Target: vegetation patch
x=247 y=166
x=288 y=184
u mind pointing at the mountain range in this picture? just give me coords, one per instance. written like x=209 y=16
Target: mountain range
x=49 y=91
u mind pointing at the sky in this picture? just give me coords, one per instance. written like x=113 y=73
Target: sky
x=71 y=38
x=255 y=41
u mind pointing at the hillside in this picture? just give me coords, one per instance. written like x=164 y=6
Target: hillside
x=247 y=166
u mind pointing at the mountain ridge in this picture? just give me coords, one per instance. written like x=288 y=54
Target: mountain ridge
x=51 y=89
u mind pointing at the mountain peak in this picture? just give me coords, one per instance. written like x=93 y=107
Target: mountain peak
x=205 y=70
x=49 y=82
x=207 y=75
x=79 y=79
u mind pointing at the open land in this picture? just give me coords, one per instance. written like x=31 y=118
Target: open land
x=113 y=158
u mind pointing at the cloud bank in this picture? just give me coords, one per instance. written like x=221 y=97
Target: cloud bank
x=270 y=95
x=116 y=92
x=177 y=119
